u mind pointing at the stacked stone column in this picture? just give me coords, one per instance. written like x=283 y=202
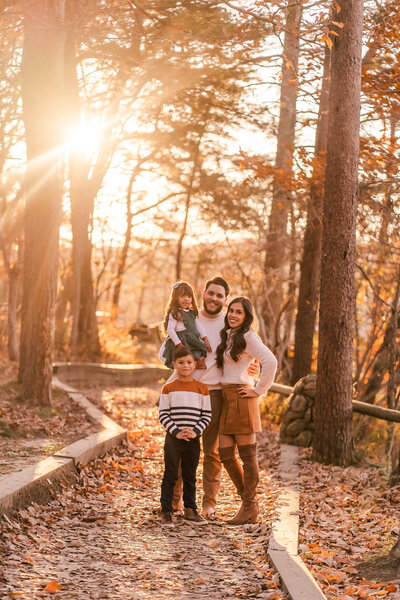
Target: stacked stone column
x=298 y=422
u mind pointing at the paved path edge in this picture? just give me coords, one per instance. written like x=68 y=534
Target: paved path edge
x=296 y=579
x=40 y=482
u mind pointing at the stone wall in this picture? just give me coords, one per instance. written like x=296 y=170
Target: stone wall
x=298 y=421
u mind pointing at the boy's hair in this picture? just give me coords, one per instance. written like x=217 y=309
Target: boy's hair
x=181 y=352
x=218 y=281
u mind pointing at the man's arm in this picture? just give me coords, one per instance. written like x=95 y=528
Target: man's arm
x=254 y=368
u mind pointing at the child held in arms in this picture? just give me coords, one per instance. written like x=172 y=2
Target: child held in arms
x=184 y=411
x=183 y=327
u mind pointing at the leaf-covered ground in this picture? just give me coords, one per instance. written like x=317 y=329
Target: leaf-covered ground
x=28 y=433
x=348 y=519
x=102 y=539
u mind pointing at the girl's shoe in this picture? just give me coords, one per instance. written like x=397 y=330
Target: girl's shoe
x=201 y=363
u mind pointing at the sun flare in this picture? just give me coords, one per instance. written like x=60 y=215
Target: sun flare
x=84 y=138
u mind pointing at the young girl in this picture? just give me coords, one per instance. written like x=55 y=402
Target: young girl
x=240 y=413
x=182 y=325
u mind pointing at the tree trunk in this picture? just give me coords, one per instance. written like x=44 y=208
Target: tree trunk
x=42 y=87
x=392 y=398
x=379 y=367
x=307 y=303
x=276 y=243
x=189 y=196
x=125 y=248
x=88 y=342
x=13 y=272
x=64 y=297
x=333 y=440
x=381 y=359
x=12 y=312
x=289 y=306
x=84 y=335
x=393 y=347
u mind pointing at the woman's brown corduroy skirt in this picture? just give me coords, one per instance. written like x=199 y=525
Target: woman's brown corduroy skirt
x=238 y=415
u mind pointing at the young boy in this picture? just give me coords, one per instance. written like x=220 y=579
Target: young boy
x=184 y=411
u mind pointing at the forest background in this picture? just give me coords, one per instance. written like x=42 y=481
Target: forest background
x=144 y=142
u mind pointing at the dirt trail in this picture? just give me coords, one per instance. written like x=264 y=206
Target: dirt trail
x=102 y=539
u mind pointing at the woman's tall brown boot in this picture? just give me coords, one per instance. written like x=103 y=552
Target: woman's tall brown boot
x=233 y=467
x=248 y=512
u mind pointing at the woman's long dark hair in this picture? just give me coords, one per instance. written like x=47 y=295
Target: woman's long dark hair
x=238 y=343
x=181 y=288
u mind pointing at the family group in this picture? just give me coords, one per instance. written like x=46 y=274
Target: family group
x=211 y=395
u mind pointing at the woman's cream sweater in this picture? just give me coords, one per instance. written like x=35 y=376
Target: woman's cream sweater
x=236 y=372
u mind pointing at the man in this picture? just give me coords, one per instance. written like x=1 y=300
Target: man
x=212 y=318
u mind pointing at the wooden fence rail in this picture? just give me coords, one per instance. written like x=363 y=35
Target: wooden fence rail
x=379 y=412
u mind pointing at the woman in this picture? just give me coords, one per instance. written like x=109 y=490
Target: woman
x=240 y=414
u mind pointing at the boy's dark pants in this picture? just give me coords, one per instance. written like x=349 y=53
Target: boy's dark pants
x=188 y=453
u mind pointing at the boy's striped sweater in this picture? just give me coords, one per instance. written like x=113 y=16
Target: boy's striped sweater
x=185 y=404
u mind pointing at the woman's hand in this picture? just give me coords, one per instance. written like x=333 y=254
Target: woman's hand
x=246 y=391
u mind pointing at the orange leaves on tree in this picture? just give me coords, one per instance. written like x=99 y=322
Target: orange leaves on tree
x=325 y=38
x=336 y=6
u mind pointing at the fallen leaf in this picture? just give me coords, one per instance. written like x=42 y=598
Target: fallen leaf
x=52 y=587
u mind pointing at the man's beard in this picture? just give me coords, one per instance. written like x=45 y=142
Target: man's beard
x=214 y=311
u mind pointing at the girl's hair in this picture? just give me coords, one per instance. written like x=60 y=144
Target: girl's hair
x=180 y=288
x=237 y=342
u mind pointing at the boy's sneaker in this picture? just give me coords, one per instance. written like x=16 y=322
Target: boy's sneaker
x=190 y=515
x=167 y=519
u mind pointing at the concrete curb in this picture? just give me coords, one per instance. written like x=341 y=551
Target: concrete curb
x=40 y=482
x=296 y=579
x=37 y=483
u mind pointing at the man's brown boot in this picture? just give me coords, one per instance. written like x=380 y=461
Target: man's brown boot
x=248 y=512
x=233 y=467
